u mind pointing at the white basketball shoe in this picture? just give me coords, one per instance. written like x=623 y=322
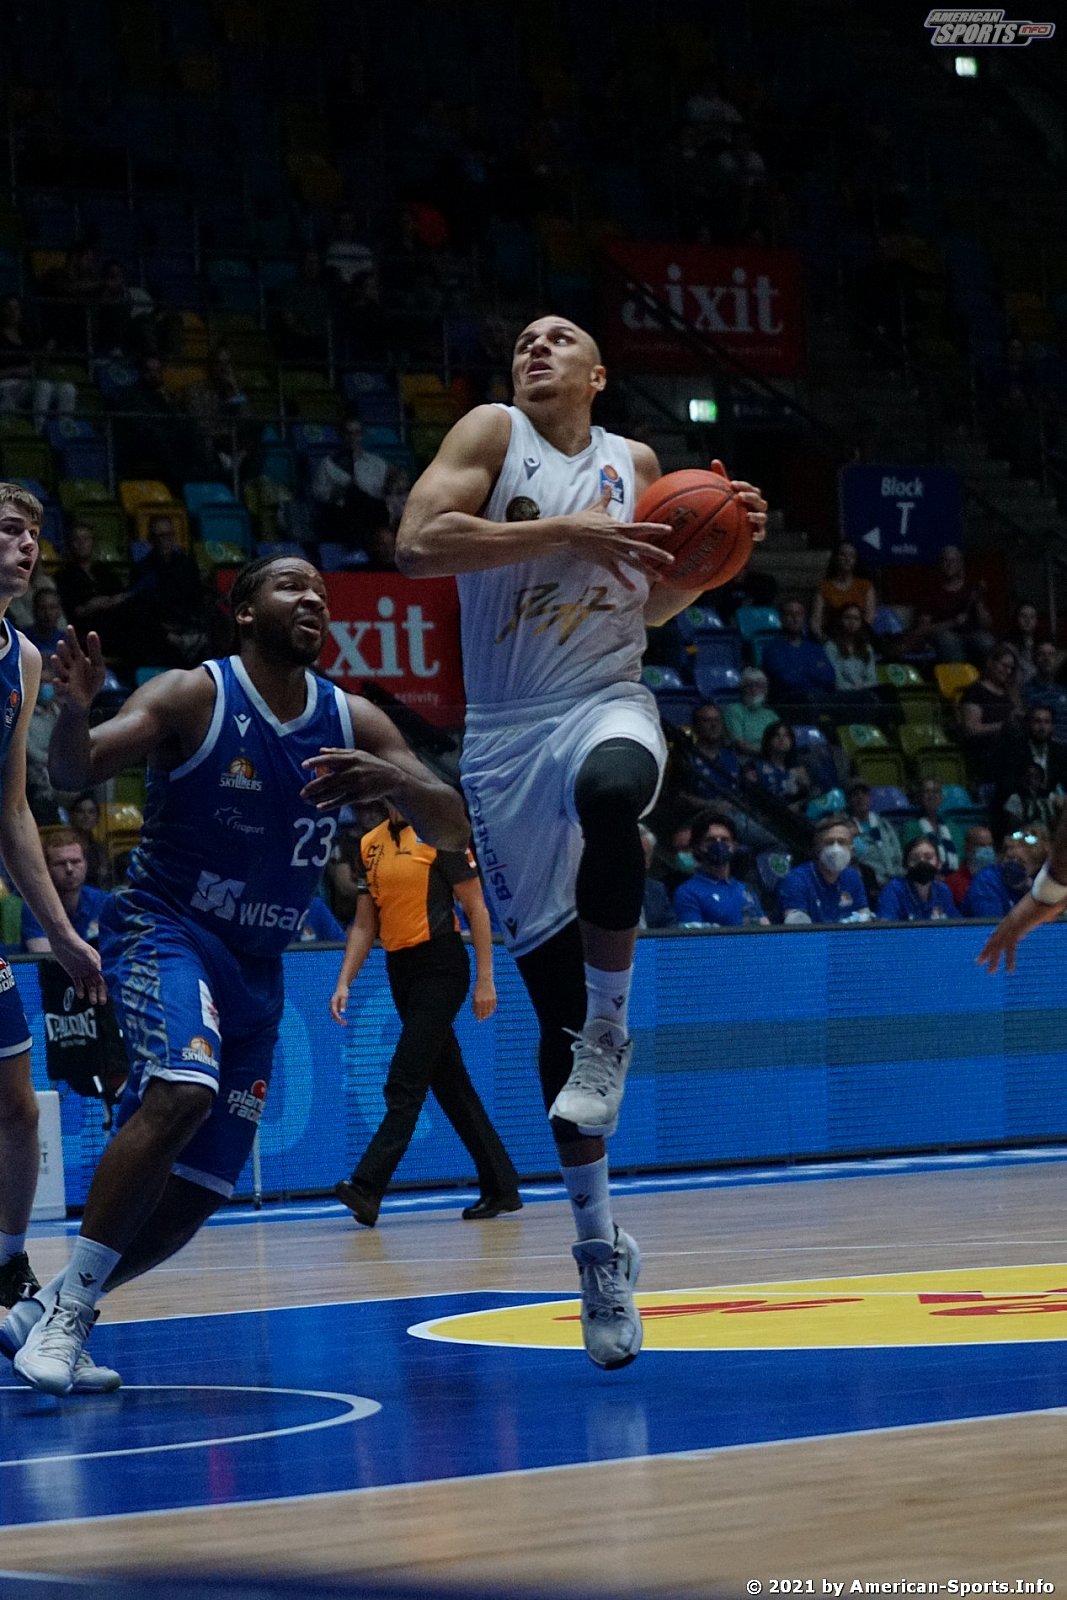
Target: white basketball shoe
x=611 y=1322
x=592 y=1095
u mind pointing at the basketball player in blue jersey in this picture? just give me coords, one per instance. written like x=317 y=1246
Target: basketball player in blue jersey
x=530 y=506
x=237 y=832
x=20 y=845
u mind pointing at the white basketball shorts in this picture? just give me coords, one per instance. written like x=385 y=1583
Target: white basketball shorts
x=518 y=770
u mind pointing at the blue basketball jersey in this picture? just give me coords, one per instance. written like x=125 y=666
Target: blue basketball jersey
x=227 y=840
x=10 y=689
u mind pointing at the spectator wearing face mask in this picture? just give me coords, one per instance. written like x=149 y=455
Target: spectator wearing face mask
x=918 y=895
x=997 y=888
x=877 y=844
x=978 y=852
x=712 y=896
x=748 y=719
x=828 y=888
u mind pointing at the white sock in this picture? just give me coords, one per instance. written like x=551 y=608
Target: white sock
x=11 y=1244
x=87 y=1271
x=590 y=1199
x=608 y=996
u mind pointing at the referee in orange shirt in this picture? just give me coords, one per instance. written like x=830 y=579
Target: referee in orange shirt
x=406 y=893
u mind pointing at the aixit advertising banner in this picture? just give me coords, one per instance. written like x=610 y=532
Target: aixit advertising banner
x=400 y=633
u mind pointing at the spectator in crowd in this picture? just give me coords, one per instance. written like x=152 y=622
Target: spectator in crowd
x=72 y=289
x=1033 y=745
x=304 y=312
x=1032 y=801
x=747 y=719
x=985 y=710
x=995 y=889
x=215 y=407
x=84 y=815
x=127 y=323
x=154 y=438
x=656 y=908
x=168 y=600
x=89 y=591
x=20 y=611
x=851 y=655
x=828 y=888
x=43 y=800
x=349 y=487
x=1024 y=640
x=65 y=860
x=1046 y=688
x=48 y=624
x=22 y=386
x=954 y=618
x=930 y=824
x=842 y=586
x=798 y=669
x=347 y=258
x=918 y=895
x=710 y=769
x=713 y=895
x=876 y=845
x=779 y=769
x=709 y=111
x=978 y=852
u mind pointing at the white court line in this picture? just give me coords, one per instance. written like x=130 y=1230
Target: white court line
x=358 y=1408
x=706 y=1454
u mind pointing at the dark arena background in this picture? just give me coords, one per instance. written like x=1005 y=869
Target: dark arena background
x=257 y=258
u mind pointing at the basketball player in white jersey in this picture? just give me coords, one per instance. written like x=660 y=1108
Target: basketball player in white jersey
x=530 y=508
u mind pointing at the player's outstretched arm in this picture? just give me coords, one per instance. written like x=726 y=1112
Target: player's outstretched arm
x=381 y=767
x=1045 y=901
x=443 y=533
x=155 y=716
x=20 y=844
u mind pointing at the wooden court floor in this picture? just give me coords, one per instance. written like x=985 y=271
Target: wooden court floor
x=792 y=1449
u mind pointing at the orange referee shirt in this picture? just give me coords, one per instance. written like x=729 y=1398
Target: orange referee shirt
x=411 y=884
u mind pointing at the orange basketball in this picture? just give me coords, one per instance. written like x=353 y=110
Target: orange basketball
x=707 y=531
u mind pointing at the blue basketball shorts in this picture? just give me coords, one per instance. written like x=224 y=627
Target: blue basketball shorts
x=193 y=1011
x=14 y=1032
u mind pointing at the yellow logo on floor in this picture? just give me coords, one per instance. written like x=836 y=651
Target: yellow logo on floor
x=982 y=1306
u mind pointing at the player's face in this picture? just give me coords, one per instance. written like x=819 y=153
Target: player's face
x=289 y=613
x=18 y=550
x=555 y=359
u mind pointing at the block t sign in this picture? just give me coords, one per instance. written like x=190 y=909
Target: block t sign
x=899 y=514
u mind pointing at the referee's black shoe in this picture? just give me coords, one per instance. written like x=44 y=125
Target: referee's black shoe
x=363 y=1205
x=17 y=1280
x=491 y=1205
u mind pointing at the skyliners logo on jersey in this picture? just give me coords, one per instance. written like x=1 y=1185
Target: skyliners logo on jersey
x=611 y=483
x=240 y=774
x=983 y=28
x=538 y=604
x=11 y=710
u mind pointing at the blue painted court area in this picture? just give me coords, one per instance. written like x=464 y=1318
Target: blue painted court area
x=317 y=1400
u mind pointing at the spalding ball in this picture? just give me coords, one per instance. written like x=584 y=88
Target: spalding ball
x=707 y=528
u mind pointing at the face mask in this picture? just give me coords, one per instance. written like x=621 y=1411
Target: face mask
x=984 y=856
x=835 y=857
x=1014 y=874
x=717 y=852
x=922 y=872
x=687 y=860
x=757 y=700
x=46 y=694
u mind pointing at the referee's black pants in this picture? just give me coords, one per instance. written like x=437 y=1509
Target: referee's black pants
x=429 y=983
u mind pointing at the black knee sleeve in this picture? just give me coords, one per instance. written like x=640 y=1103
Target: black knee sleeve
x=554 y=975
x=613 y=790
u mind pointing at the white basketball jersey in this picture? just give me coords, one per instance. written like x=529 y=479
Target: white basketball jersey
x=555 y=627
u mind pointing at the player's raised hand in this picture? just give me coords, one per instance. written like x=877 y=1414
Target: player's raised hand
x=1022 y=919
x=82 y=965
x=751 y=498
x=349 y=777
x=598 y=537
x=79 y=674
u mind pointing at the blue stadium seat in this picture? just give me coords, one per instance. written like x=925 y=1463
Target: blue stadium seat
x=714 y=650
x=753 y=620
x=891 y=802
x=716 y=680
x=695 y=621
x=338 y=558
x=771 y=867
x=226 y=524
x=199 y=495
